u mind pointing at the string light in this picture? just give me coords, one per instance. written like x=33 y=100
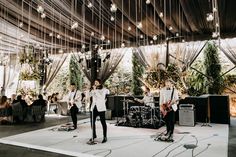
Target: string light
x=210 y=17
x=112 y=18
x=21 y=24
x=102 y=38
x=51 y=34
x=154 y=37
x=123 y=45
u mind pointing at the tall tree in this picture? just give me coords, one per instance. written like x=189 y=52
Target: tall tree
x=213 y=69
x=138 y=70
x=75 y=73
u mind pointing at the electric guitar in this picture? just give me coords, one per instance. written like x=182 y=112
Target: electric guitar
x=169 y=106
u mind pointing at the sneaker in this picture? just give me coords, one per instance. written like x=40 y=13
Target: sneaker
x=104 y=140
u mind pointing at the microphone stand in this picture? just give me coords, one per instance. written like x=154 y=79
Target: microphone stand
x=92 y=142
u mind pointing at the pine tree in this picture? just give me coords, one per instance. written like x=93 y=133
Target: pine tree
x=138 y=70
x=212 y=70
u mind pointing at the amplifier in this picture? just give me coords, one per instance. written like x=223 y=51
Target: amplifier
x=187 y=117
x=186 y=106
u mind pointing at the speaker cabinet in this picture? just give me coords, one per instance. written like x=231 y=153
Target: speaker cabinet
x=187 y=117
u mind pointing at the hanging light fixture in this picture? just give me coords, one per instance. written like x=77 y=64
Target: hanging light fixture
x=148 y=1
x=151 y=41
x=102 y=38
x=214 y=9
x=140 y=25
x=154 y=37
x=161 y=14
x=60 y=51
x=21 y=24
x=112 y=18
x=113 y=7
x=51 y=34
x=123 y=45
x=71 y=38
x=74 y=25
x=177 y=34
x=170 y=28
x=90 y=5
x=40 y=9
x=210 y=17
x=43 y=15
x=83 y=46
x=108 y=41
x=92 y=33
x=141 y=36
x=58 y=36
x=129 y=28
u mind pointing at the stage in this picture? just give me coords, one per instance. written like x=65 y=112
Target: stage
x=126 y=141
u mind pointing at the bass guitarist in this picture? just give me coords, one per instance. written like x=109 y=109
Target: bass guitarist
x=168 y=97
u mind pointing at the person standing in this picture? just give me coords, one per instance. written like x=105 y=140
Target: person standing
x=168 y=106
x=98 y=108
x=74 y=97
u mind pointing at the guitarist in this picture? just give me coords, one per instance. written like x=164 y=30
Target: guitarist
x=168 y=95
x=73 y=99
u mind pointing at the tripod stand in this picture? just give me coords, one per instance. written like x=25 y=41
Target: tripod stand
x=208 y=116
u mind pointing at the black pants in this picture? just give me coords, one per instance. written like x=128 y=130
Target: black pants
x=73 y=114
x=93 y=117
x=170 y=122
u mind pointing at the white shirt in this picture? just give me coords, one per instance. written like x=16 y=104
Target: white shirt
x=75 y=99
x=165 y=95
x=99 y=99
x=148 y=100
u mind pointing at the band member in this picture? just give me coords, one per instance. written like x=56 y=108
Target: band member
x=73 y=99
x=148 y=99
x=168 y=96
x=98 y=108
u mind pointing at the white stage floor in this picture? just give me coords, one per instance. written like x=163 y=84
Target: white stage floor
x=127 y=141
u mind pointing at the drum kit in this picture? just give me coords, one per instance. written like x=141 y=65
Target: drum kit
x=141 y=116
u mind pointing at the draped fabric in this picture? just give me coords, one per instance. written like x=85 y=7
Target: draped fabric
x=184 y=55
x=53 y=69
x=151 y=56
x=107 y=65
x=230 y=53
x=10 y=71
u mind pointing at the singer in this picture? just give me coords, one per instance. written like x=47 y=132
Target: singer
x=98 y=108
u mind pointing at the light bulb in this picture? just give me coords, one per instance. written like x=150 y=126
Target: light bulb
x=151 y=42
x=108 y=41
x=140 y=25
x=141 y=36
x=90 y=5
x=60 y=51
x=92 y=33
x=148 y=2
x=21 y=24
x=170 y=28
x=154 y=37
x=129 y=28
x=51 y=34
x=58 y=36
x=123 y=45
x=74 y=25
x=113 y=7
x=40 y=9
x=112 y=18
x=43 y=15
x=161 y=14
x=83 y=46
x=102 y=38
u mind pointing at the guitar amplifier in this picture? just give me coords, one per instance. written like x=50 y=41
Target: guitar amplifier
x=187 y=115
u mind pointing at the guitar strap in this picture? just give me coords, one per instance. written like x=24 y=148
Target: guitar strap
x=172 y=94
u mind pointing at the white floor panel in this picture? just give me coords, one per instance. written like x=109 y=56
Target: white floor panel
x=127 y=141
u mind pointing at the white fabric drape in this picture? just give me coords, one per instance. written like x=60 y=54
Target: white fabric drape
x=53 y=69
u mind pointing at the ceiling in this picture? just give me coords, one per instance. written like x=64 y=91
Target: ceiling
x=186 y=17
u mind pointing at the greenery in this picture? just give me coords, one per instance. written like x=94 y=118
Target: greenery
x=138 y=71
x=75 y=73
x=196 y=80
x=212 y=70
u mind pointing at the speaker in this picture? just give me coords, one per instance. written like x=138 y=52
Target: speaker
x=187 y=117
x=108 y=115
